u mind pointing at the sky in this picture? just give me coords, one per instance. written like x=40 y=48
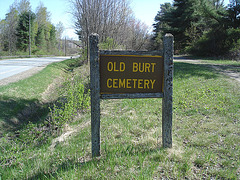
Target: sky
x=144 y=10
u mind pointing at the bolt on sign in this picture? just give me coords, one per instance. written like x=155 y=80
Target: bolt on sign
x=131 y=74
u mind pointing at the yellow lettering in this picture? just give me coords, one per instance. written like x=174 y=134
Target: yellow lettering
x=115 y=66
x=134 y=83
x=153 y=66
x=140 y=83
x=108 y=83
x=128 y=83
x=115 y=83
x=144 y=67
x=110 y=66
x=122 y=66
x=141 y=67
x=122 y=83
x=131 y=83
x=152 y=82
x=135 y=67
x=147 y=67
x=146 y=84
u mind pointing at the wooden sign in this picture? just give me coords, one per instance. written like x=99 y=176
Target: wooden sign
x=131 y=74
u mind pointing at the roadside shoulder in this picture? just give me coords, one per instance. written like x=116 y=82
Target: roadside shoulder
x=20 y=76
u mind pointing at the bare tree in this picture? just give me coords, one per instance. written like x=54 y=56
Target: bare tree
x=112 y=19
x=2 y=23
x=138 y=36
x=22 y=6
x=60 y=28
x=9 y=30
x=105 y=17
x=42 y=15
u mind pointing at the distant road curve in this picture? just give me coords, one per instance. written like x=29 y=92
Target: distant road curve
x=16 y=67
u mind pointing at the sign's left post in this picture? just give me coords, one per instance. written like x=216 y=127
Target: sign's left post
x=95 y=93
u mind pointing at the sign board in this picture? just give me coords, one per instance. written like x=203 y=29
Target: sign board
x=131 y=74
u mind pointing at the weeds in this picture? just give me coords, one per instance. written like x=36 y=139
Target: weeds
x=205 y=135
x=73 y=99
x=72 y=102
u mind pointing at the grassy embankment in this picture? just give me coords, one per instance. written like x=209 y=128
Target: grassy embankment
x=206 y=139
x=28 y=99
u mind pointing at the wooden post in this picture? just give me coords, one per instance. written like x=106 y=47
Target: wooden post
x=95 y=94
x=167 y=92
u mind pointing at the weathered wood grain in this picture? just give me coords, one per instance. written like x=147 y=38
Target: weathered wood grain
x=166 y=95
x=95 y=93
x=132 y=96
x=116 y=52
x=167 y=92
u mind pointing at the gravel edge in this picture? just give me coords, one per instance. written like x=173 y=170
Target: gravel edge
x=20 y=76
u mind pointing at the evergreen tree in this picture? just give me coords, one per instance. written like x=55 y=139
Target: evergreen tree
x=162 y=26
x=44 y=29
x=182 y=19
x=15 y=29
x=53 y=39
x=234 y=13
x=40 y=39
x=25 y=19
x=203 y=27
x=185 y=19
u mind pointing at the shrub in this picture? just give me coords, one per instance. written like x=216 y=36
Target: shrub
x=234 y=43
x=74 y=100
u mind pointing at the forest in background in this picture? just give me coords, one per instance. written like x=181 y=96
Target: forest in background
x=22 y=28
x=113 y=20
x=200 y=27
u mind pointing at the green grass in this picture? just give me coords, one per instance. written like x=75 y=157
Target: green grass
x=206 y=139
x=217 y=61
x=225 y=65
x=19 y=100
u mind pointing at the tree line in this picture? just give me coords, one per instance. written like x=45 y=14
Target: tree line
x=200 y=27
x=23 y=30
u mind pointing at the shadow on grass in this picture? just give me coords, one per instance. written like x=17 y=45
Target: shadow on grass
x=17 y=112
x=233 y=68
x=186 y=70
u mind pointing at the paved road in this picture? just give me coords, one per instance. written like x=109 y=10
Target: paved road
x=13 y=67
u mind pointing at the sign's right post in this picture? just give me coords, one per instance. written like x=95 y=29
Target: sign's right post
x=167 y=91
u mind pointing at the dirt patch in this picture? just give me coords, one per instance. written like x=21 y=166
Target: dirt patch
x=231 y=74
x=68 y=131
x=186 y=59
x=51 y=93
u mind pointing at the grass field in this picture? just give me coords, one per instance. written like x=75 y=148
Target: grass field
x=206 y=138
